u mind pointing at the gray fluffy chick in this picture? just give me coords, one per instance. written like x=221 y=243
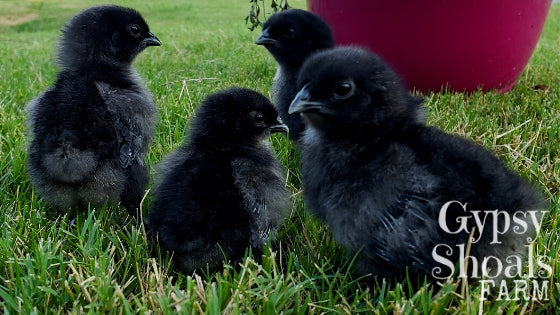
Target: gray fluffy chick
x=91 y=129
x=292 y=36
x=224 y=191
x=380 y=178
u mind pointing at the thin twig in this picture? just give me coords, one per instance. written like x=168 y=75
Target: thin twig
x=189 y=80
x=512 y=130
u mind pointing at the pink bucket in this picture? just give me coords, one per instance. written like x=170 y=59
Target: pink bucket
x=462 y=45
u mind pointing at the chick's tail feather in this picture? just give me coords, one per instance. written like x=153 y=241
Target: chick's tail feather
x=70 y=164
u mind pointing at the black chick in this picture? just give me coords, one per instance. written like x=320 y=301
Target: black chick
x=90 y=131
x=291 y=36
x=380 y=178
x=223 y=192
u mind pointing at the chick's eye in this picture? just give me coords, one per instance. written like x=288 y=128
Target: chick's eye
x=291 y=33
x=259 y=118
x=343 y=90
x=134 y=29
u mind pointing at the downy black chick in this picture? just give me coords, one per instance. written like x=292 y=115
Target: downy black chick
x=91 y=129
x=291 y=36
x=224 y=191
x=397 y=192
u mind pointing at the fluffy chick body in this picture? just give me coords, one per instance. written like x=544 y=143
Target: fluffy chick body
x=223 y=192
x=91 y=130
x=379 y=177
x=291 y=36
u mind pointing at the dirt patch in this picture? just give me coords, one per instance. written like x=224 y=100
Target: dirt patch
x=12 y=20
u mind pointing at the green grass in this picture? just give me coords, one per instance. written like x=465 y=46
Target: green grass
x=103 y=262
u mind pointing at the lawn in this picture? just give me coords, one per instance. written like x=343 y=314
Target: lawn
x=103 y=264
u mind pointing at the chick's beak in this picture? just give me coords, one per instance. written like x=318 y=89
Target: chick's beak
x=151 y=40
x=265 y=39
x=280 y=126
x=303 y=102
